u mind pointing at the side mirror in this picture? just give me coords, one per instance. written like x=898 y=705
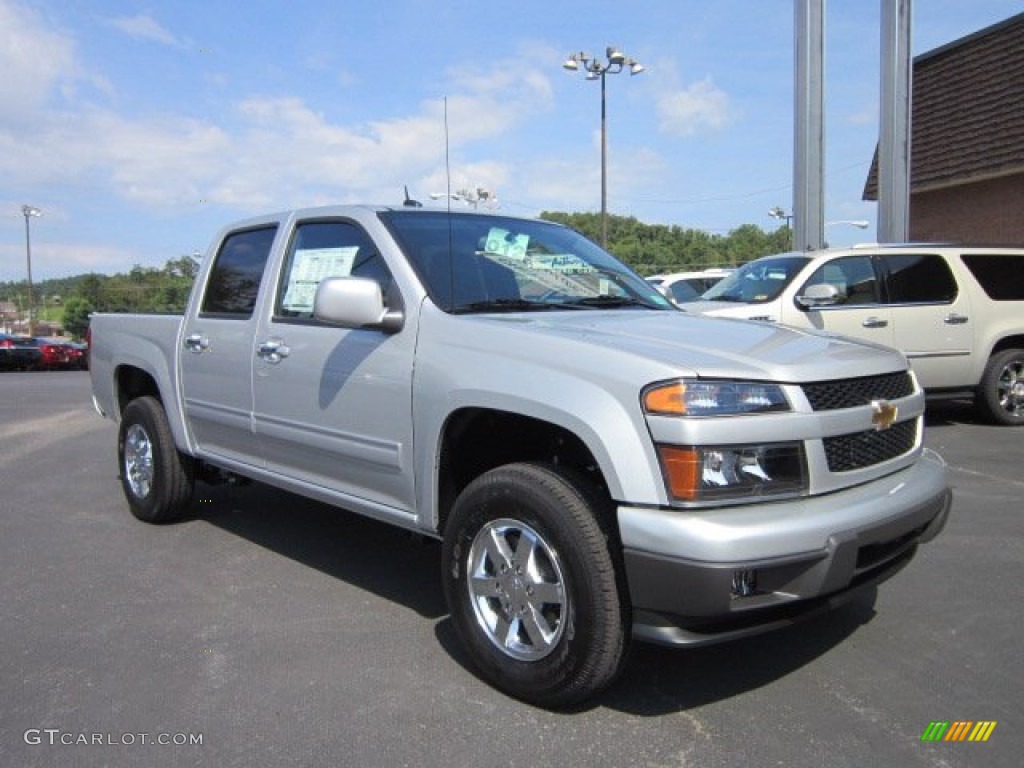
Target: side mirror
x=355 y=302
x=821 y=295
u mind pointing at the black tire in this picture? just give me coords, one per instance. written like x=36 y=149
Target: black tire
x=156 y=478
x=556 y=632
x=1000 y=395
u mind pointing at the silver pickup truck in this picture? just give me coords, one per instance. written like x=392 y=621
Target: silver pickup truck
x=598 y=465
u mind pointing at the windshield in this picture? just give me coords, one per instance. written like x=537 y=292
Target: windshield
x=758 y=281
x=483 y=263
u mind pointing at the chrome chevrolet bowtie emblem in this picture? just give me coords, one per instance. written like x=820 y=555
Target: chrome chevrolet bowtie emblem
x=884 y=416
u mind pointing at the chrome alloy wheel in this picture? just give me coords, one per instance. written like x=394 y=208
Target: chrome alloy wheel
x=138 y=461
x=517 y=589
x=1010 y=387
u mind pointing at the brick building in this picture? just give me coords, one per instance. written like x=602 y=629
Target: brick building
x=967 y=140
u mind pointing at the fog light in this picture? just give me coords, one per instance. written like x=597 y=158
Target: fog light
x=744 y=583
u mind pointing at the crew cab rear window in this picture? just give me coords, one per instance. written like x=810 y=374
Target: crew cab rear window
x=234 y=280
x=919 y=279
x=1001 y=276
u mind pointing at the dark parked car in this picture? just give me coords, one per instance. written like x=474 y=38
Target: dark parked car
x=18 y=353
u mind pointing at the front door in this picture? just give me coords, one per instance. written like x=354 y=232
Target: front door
x=333 y=406
x=858 y=310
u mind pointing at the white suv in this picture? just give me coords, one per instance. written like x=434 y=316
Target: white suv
x=956 y=312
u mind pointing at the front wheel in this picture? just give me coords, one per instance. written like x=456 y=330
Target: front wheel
x=1001 y=392
x=531 y=582
x=157 y=480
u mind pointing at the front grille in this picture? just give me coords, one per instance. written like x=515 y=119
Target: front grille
x=865 y=449
x=849 y=393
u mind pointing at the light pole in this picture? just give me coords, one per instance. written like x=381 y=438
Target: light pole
x=596 y=69
x=28 y=211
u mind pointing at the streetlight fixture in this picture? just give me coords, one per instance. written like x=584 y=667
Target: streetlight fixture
x=777 y=212
x=614 y=62
x=859 y=223
x=29 y=211
x=475 y=198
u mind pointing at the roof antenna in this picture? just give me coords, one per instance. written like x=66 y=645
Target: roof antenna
x=448 y=197
x=409 y=202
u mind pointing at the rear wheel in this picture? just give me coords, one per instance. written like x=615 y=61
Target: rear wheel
x=1001 y=392
x=531 y=583
x=156 y=478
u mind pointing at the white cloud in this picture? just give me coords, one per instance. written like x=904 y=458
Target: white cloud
x=574 y=183
x=489 y=103
x=59 y=259
x=866 y=116
x=33 y=59
x=258 y=153
x=145 y=27
x=698 y=107
x=269 y=150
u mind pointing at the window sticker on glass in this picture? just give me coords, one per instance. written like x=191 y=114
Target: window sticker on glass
x=562 y=262
x=309 y=267
x=501 y=242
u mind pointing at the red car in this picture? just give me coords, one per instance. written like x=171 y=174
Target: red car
x=53 y=355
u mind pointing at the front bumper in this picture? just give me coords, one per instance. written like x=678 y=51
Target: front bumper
x=703 y=576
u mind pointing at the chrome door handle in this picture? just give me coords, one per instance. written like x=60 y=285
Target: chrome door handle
x=273 y=350
x=874 y=322
x=197 y=343
x=954 y=319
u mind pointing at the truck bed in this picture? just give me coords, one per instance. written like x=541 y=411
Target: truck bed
x=144 y=341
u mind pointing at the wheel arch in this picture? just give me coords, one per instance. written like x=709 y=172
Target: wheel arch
x=1015 y=341
x=132 y=382
x=475 y=440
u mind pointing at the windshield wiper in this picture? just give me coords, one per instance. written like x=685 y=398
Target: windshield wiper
x=611 y=301
x=504 y=305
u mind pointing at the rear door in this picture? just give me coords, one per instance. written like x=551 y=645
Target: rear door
x=217 y=355
x=858 y=312
x=333 y=406
x=932 y=320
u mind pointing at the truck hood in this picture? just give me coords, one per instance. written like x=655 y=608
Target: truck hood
x=681 y=344
x=765 y=311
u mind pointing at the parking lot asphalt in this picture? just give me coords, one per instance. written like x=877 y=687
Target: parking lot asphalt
x=275 y=631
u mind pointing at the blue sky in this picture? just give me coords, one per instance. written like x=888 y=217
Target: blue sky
x=140 y=128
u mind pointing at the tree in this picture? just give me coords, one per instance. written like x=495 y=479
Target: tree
x=90 y=288
x=651 y=248
x=76 y=316
x=186 y=267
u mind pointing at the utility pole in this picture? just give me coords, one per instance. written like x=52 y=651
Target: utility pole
x=895 y=124
x=809 y=127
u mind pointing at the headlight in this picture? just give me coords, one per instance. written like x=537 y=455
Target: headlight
x=689 y=397
x=715 y=473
